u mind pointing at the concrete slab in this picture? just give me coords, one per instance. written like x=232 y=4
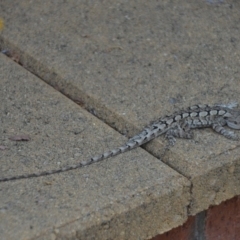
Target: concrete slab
x=132 y=196
x=132 y=62
x=213 y=171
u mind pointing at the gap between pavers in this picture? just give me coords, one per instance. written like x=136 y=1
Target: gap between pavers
x=132 y=196
x=131 y=63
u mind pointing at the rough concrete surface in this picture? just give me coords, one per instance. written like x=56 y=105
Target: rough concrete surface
x=132 y=196
x=130 y=62
x=214 y=171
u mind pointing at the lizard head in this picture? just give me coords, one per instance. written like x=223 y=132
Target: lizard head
x=234 y=122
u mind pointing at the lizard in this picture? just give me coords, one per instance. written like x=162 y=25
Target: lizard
x=176 y=125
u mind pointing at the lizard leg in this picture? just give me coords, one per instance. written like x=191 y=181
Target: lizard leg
x=226 y=133
x=183 y=131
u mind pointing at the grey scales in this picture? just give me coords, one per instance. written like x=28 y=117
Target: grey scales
x=176 y=125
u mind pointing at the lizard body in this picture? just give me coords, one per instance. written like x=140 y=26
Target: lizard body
x=177 y=125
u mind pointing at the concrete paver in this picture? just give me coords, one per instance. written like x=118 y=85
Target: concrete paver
x=213 y=171
x=132 y=62
x=130 y=196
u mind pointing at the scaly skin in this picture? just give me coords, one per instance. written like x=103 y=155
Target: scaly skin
x=177 y=125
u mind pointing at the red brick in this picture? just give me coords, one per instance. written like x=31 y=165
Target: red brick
x=184 y=232
x=223 y=221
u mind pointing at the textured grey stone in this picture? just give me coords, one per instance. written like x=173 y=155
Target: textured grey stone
x=132 y=62
x=131 y=196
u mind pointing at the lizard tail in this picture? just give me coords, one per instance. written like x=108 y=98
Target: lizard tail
x=144 y=137
x=128 y=146
x=41 y=174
